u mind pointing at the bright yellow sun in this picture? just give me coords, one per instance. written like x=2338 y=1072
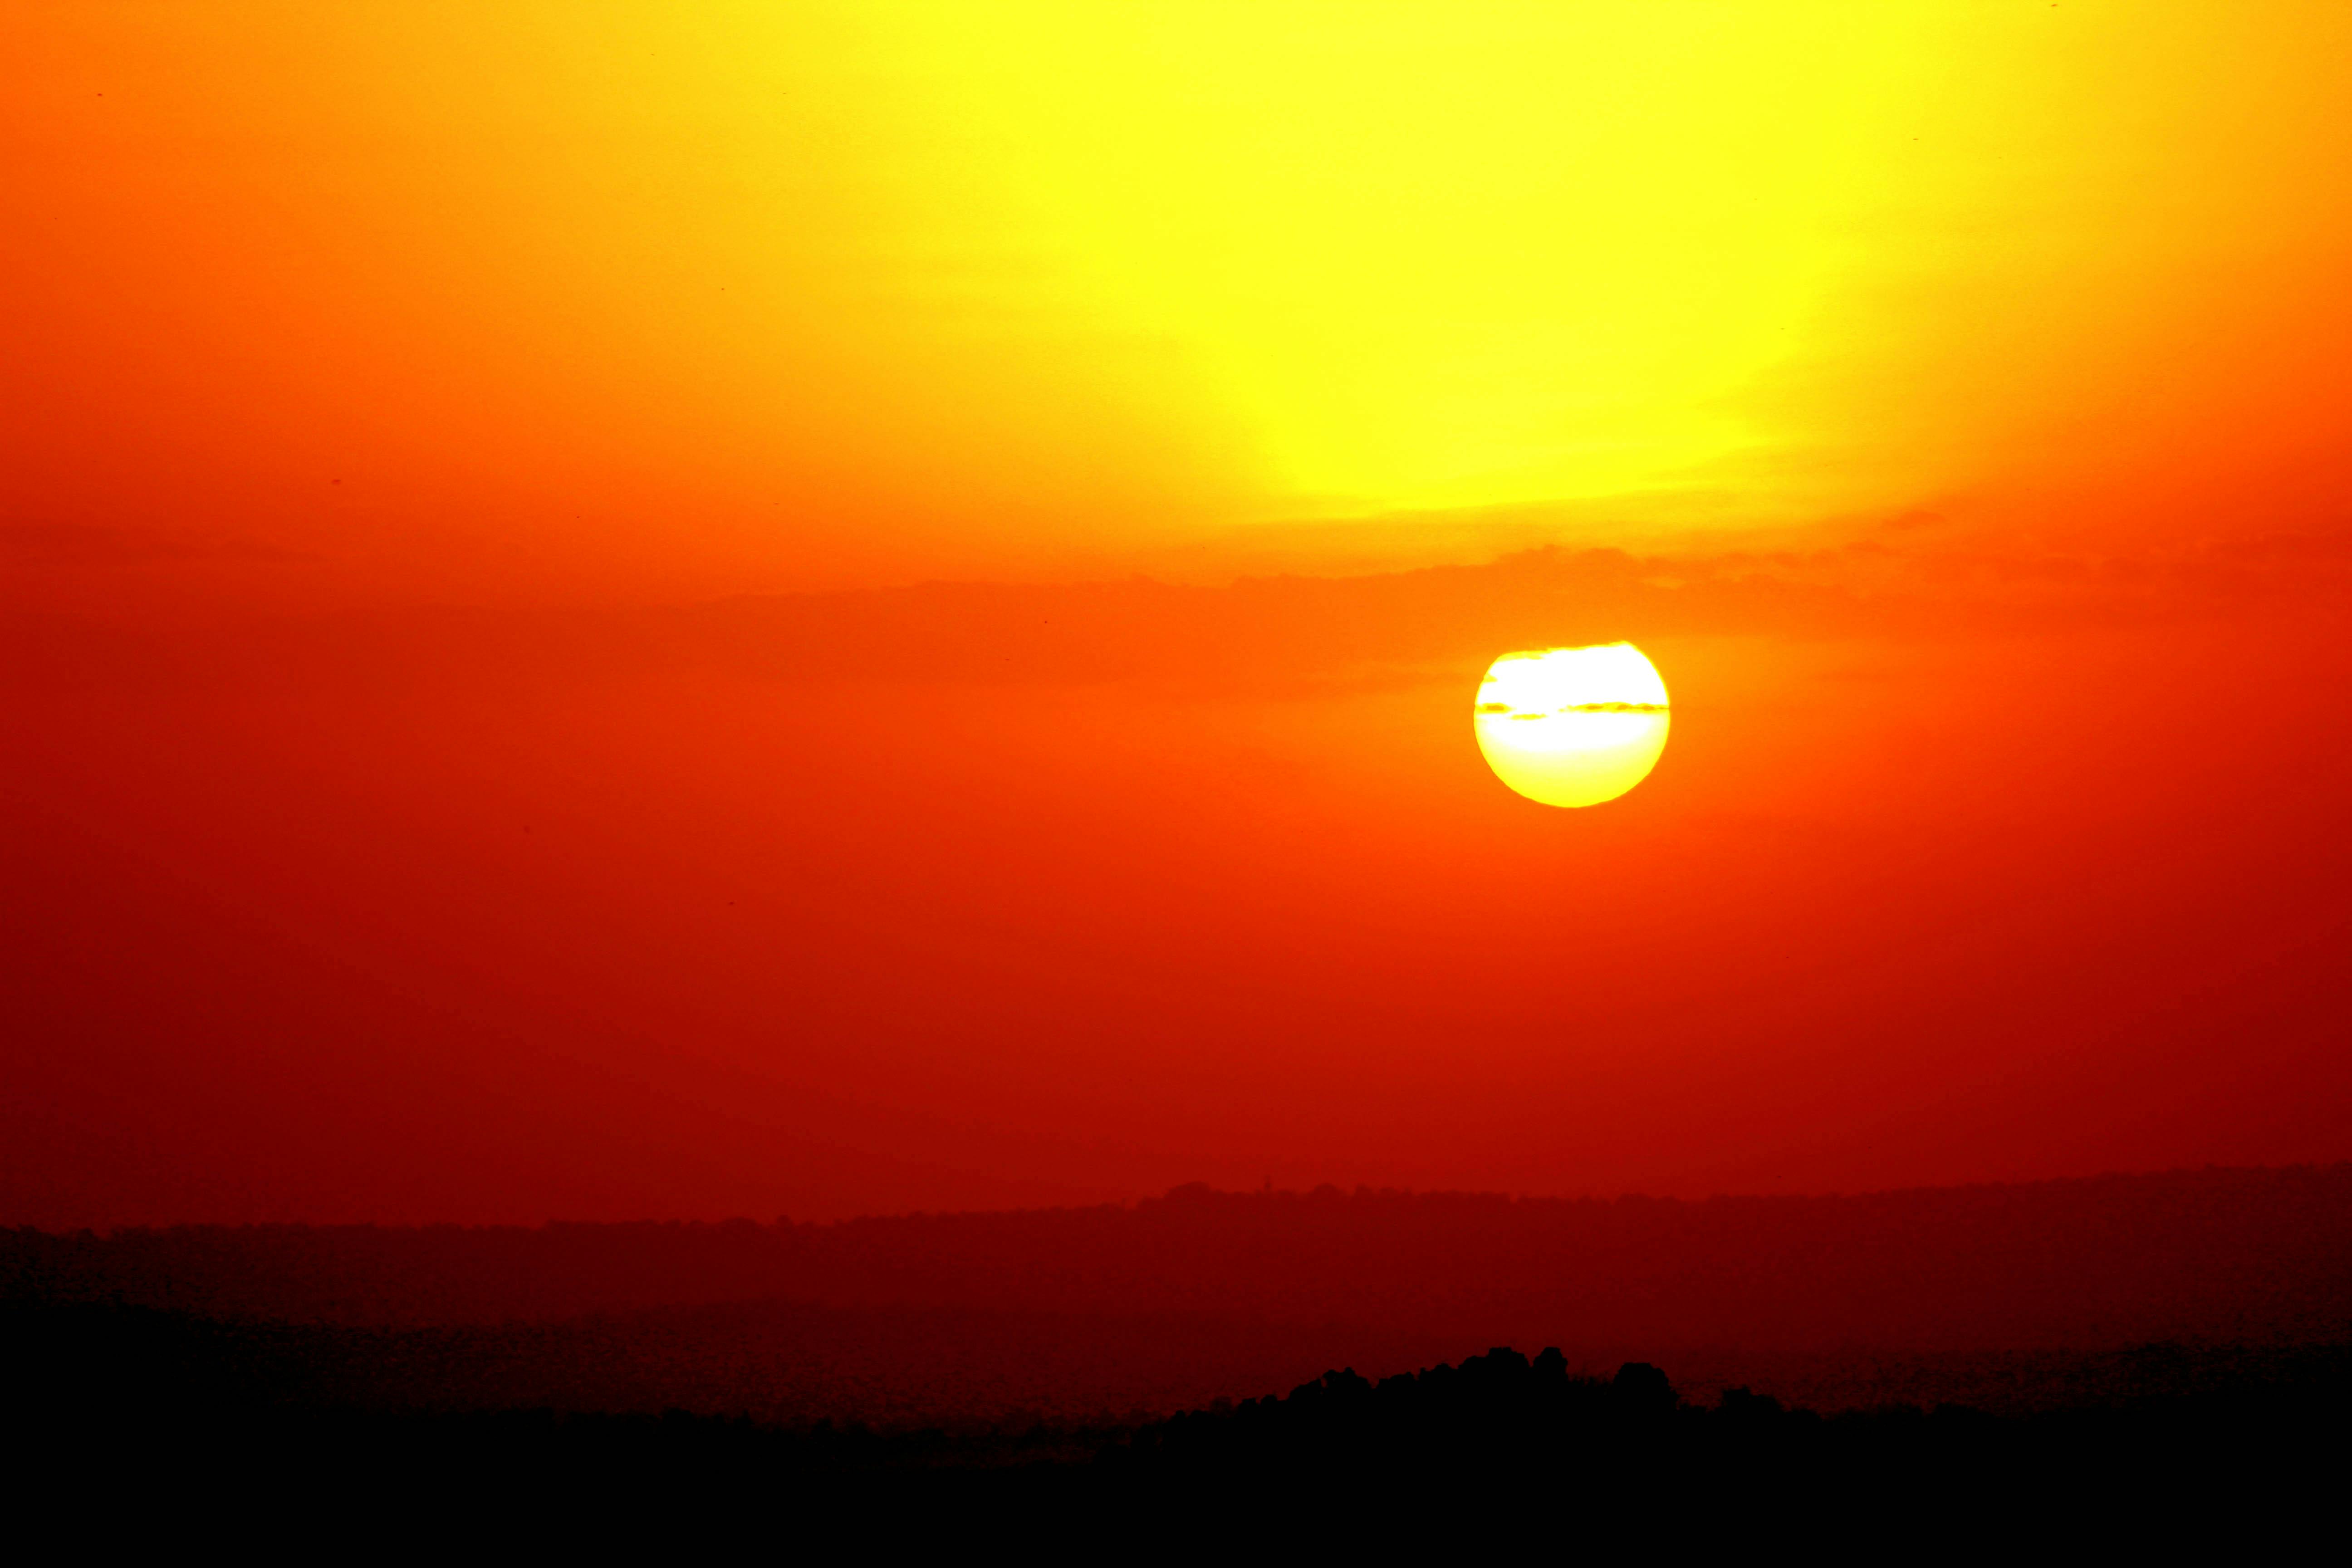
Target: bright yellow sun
x=1572 y=726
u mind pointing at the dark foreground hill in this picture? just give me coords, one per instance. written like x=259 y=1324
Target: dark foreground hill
x=2011 y=1298
x=131 y=1424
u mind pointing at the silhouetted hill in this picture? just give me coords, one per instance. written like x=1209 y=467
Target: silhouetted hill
x=1502 y=1413
x=2014 y=1296
x=202 y=1423
x=2220 y=1253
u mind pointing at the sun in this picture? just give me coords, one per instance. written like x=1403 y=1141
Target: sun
x=1572 y=726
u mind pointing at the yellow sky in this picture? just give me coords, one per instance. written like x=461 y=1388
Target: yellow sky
x=759 y=295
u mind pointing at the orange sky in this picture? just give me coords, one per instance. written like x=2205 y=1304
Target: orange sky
x=481 y=744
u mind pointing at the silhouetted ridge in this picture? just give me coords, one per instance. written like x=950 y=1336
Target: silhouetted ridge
x=196 y=1420
x=2112 y=1260
x=2008 y=1298
x=2261 y=1446
x=1496 y=1408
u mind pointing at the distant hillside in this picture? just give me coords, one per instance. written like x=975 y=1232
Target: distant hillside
x=2219 y=1254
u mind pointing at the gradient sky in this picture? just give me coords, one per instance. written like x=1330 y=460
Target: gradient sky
x=613 y=610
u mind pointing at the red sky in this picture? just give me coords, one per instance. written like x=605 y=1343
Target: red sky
x=480 y=745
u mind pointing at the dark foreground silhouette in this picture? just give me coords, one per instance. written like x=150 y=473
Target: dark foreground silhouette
x=2003 y=1366
x=135 y=1421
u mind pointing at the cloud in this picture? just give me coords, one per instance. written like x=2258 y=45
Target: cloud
x=1277 y=637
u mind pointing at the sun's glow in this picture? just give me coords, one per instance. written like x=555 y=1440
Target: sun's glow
x=1572 y=726
x=1440 y=256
